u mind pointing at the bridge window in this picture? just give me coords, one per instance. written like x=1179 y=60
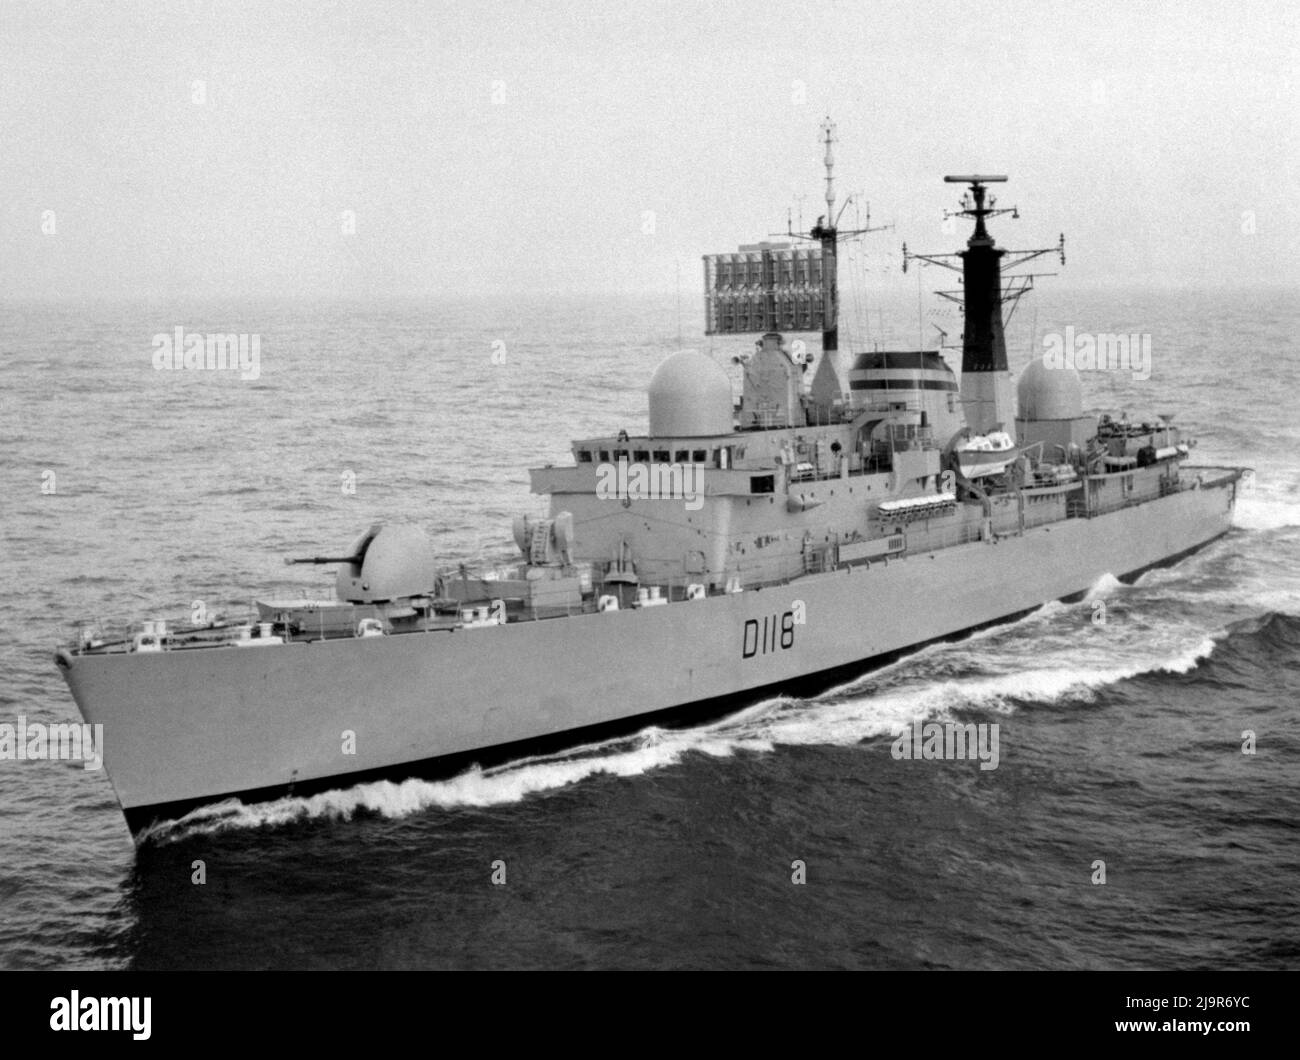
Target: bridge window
x=584 y=456
x=641 y=455
x=762 y=484
x=699 y=456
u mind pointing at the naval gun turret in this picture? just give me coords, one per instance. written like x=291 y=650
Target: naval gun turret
x=386 y=580
x=385 y=563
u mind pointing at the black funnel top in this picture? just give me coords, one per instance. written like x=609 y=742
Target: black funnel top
x=984 y=349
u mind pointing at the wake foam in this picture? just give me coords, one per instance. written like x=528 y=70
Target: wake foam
x=1104 y=588
x=1266 y=511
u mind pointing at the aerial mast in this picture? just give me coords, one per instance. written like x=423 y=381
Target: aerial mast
x=824 y=233
x=985 y=377
x=768 y=288
x=984 y=345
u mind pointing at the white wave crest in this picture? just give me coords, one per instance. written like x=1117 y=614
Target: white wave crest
x=1261 y=511
x=1104 y=588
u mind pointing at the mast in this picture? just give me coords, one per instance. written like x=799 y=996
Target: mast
x=829 y=383
x=984 y=345
x=830 y=322
x=769 y=288
x=824 y=233
x=986 y=393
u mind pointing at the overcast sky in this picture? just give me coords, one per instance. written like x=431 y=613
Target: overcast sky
x=226 y=148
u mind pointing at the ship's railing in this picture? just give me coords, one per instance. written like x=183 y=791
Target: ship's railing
x=120 y=634
x=902 y=437
x=814 y=474
x=769 y=418
x=909 y=405
x=942 y=537
x=1140 y=492
x=1147 y=488
x=819 y=560
x=1202 y=476
x=1048 y=510
x=839 y=412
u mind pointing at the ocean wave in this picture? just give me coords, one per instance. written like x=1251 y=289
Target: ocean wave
x=1104 y=588
x=1275 y=632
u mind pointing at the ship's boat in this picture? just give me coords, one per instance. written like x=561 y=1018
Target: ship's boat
x=985 y=454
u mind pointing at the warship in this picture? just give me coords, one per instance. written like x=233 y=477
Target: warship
x=831 y=517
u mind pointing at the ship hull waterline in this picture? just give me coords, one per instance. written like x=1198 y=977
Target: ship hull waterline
x=183 y=729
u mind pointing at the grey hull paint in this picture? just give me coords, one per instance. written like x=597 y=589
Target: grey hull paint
x=192 y=726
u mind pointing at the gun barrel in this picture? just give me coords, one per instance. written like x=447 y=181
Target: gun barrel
x=324 y=559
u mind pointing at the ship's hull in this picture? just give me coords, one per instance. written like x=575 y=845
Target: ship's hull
x=183 y=728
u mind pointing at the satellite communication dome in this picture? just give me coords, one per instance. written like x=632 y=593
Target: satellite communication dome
x=690 y=396
x=1046 y=393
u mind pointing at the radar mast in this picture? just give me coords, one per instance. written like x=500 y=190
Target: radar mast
x=985 y=377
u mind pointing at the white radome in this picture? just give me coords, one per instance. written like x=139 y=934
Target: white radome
x=690 y=396
x=1045 y=393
